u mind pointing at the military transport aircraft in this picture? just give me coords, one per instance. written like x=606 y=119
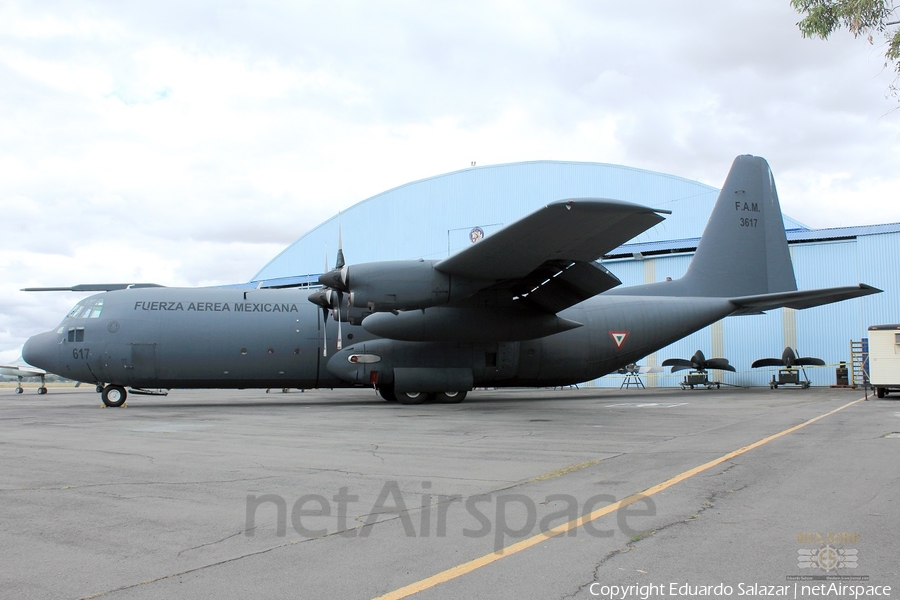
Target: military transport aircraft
x=21 y=372
x=527 y=306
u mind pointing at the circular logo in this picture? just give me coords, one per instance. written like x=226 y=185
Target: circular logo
x=828 y=558
x=113 y=326
x=476 y=235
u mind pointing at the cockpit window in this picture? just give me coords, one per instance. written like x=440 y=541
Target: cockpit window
x=89 y=308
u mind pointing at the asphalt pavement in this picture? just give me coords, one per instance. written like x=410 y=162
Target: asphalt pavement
x=565 y=493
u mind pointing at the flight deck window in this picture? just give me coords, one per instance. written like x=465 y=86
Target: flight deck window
x=87 y=309
x=76 y=334
x=76 y=312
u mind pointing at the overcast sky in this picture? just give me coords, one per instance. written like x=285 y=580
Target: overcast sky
x=187 y=143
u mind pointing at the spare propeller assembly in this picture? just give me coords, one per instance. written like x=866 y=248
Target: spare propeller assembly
x=788 y=374
x=698 y=363
x=789 y=360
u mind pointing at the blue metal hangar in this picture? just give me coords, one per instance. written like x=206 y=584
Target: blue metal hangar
x=432 y=218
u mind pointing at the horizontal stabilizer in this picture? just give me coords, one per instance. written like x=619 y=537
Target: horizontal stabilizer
x=748 y=305
x=94 y=287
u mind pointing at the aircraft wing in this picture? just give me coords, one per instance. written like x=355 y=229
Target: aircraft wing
x=93 y=287
x=576 y=230
x=749 y=305
x=21 y=371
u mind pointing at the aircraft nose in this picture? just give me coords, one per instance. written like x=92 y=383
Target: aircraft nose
x=42 y=351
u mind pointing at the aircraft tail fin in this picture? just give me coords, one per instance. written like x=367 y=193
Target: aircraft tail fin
x=743 y=250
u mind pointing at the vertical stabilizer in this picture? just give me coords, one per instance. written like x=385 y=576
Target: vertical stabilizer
x=743 y=250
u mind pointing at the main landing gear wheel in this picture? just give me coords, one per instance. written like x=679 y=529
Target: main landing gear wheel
x=387 y=392
x=114 y=395
x=19 y=390
x=42 y=390
x=450 y=397
x=412 y=397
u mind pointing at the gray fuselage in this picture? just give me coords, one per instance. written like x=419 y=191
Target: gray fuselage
x=231 y=338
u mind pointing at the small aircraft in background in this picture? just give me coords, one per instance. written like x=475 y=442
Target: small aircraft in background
x=633 y=374
x=24 y=371
x=528 y=306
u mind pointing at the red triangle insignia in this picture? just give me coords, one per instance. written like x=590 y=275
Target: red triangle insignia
x=619 y=337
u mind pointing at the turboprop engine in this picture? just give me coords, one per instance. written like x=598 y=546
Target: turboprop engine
x=398 y=285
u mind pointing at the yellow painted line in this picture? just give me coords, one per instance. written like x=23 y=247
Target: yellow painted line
x=567 y=470
x=472 y=565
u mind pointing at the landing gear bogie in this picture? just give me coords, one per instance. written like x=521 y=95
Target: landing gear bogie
x=413 y=397
x=450 y=397
x=387 y=392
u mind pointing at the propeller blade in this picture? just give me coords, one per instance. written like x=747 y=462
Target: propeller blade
x=720 y=364
x=339 y=263
x=788 y=357
x=767 y=362
x=678 y=364
x=698 y=358
x=340 y=341
x=324 y=332
x=809 y=361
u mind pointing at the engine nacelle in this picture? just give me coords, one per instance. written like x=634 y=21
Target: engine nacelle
x=405 y=285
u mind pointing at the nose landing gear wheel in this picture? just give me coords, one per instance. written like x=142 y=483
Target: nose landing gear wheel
x=113 y=395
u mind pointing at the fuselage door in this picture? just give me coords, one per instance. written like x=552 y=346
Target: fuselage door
x=143 y=363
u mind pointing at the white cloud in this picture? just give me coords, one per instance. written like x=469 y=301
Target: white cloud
x=188 y=143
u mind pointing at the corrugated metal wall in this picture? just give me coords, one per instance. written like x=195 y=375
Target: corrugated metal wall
x=421 y=219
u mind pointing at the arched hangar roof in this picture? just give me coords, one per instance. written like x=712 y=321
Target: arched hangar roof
x=432 y=218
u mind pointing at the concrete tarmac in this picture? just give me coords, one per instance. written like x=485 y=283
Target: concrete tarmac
x=339 y=494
